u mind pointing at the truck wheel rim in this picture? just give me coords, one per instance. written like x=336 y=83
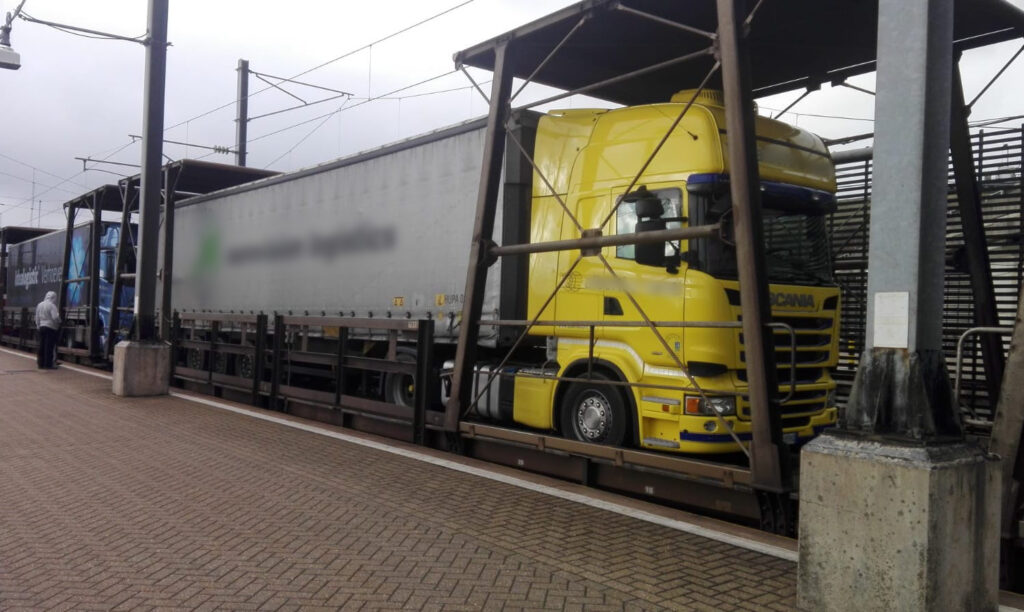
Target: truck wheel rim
x=593 y=417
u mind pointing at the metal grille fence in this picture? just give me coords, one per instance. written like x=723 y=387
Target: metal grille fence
x=997 y=155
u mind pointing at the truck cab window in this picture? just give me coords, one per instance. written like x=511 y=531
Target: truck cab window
x=795 y=242
x=625 y=220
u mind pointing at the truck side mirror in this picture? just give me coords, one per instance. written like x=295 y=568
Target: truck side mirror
x=651 y=253
x=649 y=212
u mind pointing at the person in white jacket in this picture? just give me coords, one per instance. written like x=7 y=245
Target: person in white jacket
x=48 y=322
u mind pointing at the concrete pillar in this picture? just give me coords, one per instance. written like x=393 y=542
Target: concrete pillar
x=141 y=368
x=896 y=510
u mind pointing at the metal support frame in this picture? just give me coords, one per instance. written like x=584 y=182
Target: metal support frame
x=242 y=113
x=62 y=294
x=806 y=93
x=275 y=356
x=968 y=196
x=171 y=176
x=149 y=210
x=995 y=78
x=23 y=334
x=174 y=340
x=95 y=350
x=770 y=466
x=772 y=461
x=124 y=242
x=259 y=357
x=1007 y=430
x=425 y=385
x=598 y=242
x=483 y=229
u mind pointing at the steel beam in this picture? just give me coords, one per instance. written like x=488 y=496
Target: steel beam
x=242 y=116
x=968 y=197
x=94 y=273
x=483 y=229
x=171 y=175
x=598 y=242
x=128 y=199
x=769 y=459
x=1007 y=429
x=62 y=292
x=153 y=134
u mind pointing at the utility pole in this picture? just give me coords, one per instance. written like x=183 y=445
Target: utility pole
x=242 y=118
x=152 y=160
x=142 y=367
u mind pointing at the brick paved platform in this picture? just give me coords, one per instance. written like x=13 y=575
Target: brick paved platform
x=111 y=503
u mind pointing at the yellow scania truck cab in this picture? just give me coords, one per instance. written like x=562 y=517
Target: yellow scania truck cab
x=624 y=387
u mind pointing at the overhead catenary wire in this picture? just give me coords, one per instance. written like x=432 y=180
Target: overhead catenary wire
x=386 y=96
x=36 y=168
x=30 y=201
x=346 y=108
x=83 y=32
x=35 y=182
x=331 y=61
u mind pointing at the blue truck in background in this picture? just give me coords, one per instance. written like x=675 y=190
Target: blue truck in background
x=64 y=264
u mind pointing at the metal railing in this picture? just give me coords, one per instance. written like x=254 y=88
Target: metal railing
x=280 y=360
x=959 y=359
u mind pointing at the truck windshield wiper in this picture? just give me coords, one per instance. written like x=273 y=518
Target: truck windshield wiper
x=801 y=269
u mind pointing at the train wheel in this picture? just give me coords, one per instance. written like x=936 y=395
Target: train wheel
x=594 y=412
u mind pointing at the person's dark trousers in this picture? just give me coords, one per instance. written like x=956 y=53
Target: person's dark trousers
x=47 y=347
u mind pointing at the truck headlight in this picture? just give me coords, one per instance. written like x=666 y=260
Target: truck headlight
x=698 y=406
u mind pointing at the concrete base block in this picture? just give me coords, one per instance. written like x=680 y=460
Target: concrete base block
x=886 y=527
x=141 y=368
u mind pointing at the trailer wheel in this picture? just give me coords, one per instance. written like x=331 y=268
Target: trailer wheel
x=400 y=388
x=594 y=412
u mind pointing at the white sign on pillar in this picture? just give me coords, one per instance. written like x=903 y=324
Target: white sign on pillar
x=892 y=320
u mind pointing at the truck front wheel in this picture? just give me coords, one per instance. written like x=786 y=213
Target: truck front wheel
x=594 y=412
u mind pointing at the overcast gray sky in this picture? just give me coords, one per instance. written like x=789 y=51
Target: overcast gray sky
x=79 y=97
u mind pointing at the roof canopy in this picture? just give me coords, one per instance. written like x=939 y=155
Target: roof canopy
x=794 y=44
x=14 y=234
x=107 y=196
x=192 y=176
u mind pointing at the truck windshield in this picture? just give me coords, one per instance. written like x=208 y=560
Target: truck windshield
x=795 y=244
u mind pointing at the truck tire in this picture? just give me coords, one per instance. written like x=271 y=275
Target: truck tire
x=594 y=412
x=399 y=388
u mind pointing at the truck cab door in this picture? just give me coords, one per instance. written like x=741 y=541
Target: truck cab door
x=582 y=295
